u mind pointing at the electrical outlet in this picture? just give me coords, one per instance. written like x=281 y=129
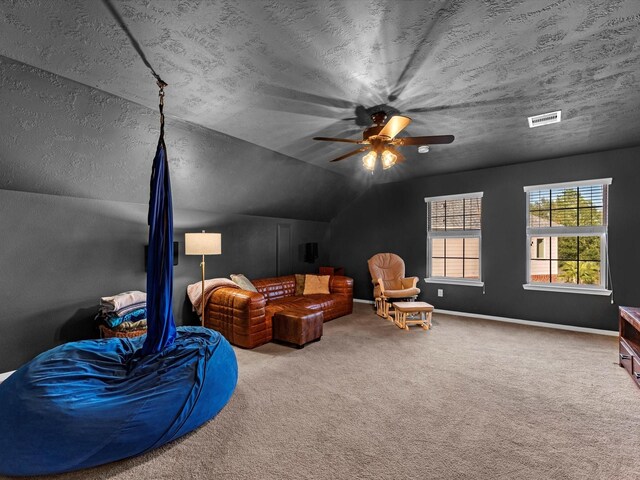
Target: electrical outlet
x=440 y=292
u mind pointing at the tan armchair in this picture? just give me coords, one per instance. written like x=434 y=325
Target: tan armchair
x=387 y=275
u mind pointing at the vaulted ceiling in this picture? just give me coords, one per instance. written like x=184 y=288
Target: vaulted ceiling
x=278 y=72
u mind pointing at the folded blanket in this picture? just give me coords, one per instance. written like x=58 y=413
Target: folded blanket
x=123 y=312
x=122 y=300
x=194 y=291
x=125 y=326
x=131 y=308
x=113 y=320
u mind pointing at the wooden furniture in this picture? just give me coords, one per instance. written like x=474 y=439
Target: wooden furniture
x=629 y=338
x=381 y=305
x=298 y=326
x=245 y=318
x=331 y=271
x=405 y=311
x=389 y=283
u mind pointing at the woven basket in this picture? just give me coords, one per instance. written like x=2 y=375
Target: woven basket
x=106 y=332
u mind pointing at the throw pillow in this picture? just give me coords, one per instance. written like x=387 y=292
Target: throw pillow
x=299 y=284
x=243 y=282
x=314 y=284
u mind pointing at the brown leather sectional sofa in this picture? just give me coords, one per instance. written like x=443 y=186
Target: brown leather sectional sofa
x=244 y=317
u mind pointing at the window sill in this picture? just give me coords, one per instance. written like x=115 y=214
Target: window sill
x=563 y=289
x=455 y=281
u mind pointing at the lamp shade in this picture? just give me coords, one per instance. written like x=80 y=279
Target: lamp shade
x=202 y=243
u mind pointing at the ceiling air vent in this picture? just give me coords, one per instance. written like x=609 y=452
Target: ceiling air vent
x=545 y=119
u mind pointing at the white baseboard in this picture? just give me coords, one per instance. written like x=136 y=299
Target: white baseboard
x=531 y=323
x=5 y=375
x=359 y=300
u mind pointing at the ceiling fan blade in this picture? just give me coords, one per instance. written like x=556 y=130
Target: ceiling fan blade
x=394 y=126
x=429 y=140
x=347 y=155
x=345 y=140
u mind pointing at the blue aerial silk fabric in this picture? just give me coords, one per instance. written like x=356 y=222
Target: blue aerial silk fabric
x=161 y=329
x=95 y=401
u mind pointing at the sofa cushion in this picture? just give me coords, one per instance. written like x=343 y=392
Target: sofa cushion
x=276 y=287
x=297 y=301
x=243 y=282
x=316 y=284
x=320 y=301
x=299 y=284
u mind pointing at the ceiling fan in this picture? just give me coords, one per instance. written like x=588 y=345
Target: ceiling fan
x=380 y=139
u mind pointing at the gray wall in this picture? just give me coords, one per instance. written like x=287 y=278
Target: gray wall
x=392 y=218
x=59 y=255
x=75 y=165
x=64 y=138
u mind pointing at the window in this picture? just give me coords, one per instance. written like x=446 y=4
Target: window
x=567 y=237
x=454 y=239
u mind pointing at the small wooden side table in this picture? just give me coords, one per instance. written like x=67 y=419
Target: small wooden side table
x=331 y=270
x=404 y=309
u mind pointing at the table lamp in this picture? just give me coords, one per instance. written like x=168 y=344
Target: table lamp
x=202 y=244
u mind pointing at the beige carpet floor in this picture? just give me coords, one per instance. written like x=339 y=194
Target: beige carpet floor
x=470 y=399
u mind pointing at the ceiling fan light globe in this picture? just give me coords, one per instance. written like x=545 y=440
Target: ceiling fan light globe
x=388 y=159
x=369 y=161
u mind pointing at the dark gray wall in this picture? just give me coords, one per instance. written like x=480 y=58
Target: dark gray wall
x=392 y=218
x=75 y=165
x=64 y=138
x=59 y=255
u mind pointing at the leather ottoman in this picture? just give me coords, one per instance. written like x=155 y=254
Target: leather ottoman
x=297 y=326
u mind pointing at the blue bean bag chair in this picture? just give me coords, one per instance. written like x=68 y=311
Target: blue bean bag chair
x=95 y=401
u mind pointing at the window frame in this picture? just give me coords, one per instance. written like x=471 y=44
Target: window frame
x=444 y=234
x=573 y=231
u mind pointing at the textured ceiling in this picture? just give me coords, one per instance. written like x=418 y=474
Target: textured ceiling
x=276 y=73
